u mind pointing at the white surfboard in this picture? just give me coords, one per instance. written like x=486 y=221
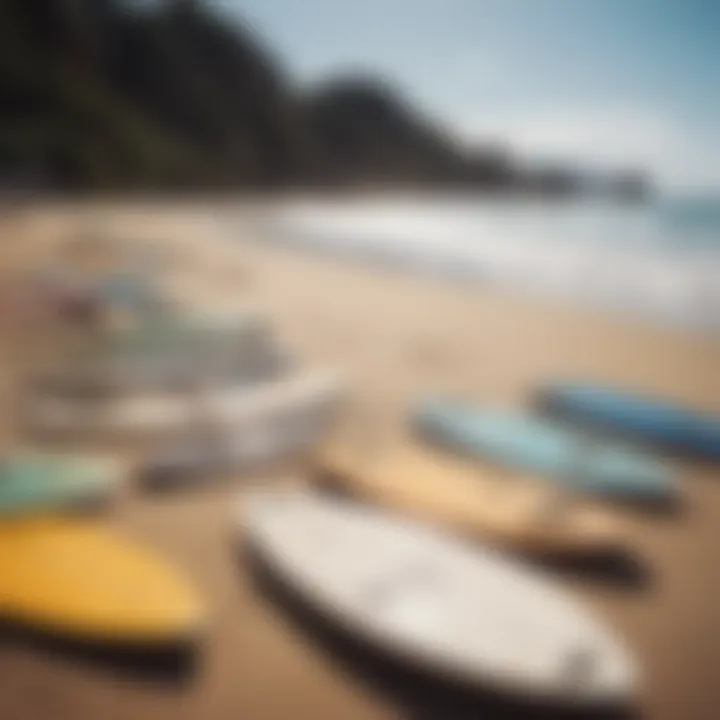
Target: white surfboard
x=462 y=611
x=288 y=418
x=144 y=415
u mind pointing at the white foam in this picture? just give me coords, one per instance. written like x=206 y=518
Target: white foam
x=626 y=259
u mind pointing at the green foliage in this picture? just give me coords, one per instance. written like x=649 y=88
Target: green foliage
x=112 y=94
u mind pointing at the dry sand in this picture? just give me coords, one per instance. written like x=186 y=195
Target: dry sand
x=399 y=336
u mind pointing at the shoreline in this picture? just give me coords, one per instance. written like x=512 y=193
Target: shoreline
x=391 y=264
x=631 y=264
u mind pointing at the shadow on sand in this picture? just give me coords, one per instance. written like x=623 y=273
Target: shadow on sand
x=171 y=664
x=621 y=570
x=418 y=694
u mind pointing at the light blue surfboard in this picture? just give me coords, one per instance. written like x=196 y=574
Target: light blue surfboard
x=527 y=443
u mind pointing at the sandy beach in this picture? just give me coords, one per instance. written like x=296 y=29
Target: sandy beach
x=398 y=337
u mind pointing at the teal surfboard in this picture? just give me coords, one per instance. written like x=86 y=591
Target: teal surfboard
x=35 y=482
x=535 y=445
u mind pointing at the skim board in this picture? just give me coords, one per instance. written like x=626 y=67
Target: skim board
x=435 y=602
x=519 y=512
x=79 y=580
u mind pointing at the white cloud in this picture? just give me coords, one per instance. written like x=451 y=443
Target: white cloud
x=606 y=138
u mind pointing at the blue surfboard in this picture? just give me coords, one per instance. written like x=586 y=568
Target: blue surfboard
x=524 y=442
x=648 y=419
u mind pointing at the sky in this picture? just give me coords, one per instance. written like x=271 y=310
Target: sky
x=604 y=82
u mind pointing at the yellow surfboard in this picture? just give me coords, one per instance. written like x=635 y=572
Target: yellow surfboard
x=518 y=513
x=78 y=579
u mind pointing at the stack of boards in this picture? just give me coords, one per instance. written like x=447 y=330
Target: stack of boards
x=185 y=375
x=172 y=349
x=277 y=403
x=191 y=378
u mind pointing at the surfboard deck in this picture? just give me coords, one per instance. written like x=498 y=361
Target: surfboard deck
x=577 y=461
x=458 y=610
x=512 y=511
x=78 y=579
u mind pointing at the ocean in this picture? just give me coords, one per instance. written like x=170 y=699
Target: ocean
x=658 y=261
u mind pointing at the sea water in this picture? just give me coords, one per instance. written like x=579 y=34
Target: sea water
x=658 y=260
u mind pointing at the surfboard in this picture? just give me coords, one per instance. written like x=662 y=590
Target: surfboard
x=652 y=420
x=574 y=460
x=34 y=481
x=80 y=580
x=166 y=352
x=283 y=419
x=145 y=415
x=462 y=611
x=516 y=512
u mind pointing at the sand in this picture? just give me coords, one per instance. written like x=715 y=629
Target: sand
x=398 y=336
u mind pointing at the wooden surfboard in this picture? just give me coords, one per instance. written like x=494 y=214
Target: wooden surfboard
x=511 y=511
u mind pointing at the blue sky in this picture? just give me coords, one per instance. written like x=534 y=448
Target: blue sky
x=603 y=81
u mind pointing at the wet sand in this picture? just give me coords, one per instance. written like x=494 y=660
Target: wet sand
x=399 y=337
